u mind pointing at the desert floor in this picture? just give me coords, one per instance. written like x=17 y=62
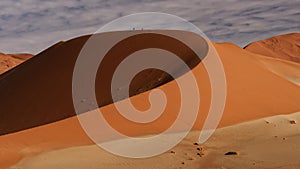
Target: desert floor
x=267 y=143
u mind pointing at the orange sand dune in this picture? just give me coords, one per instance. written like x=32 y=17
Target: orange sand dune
x=253 y=92
x=8 y=61
x=45 y=95
x=285 y=47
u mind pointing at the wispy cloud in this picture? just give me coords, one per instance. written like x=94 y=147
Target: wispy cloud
x=32 y=25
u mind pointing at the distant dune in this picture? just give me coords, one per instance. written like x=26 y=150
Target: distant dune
x=8 y=61
x=36 y=99
x=285 y=47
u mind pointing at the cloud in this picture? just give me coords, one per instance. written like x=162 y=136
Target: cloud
x=32 y=25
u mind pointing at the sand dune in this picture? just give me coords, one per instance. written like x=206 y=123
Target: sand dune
x=285 y=47
x=254 y=91
x=275 y=146
x=8 y=61
x=46 y=92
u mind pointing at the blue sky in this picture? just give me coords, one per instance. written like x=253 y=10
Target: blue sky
x=33 y=25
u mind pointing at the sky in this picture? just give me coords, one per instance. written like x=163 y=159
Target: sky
x=30 y=26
